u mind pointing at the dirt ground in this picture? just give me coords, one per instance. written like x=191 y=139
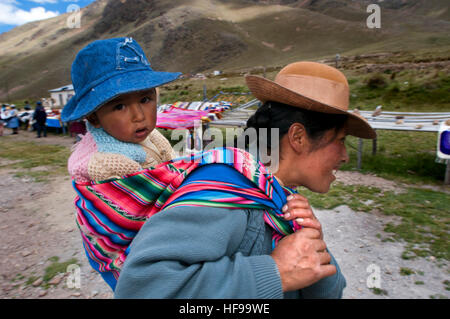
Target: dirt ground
x=38 y=225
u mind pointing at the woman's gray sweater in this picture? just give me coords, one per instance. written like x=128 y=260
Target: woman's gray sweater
x=205 y=252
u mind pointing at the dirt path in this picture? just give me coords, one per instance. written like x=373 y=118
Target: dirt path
x=38 y=225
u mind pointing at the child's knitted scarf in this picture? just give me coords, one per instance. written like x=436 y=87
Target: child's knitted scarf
x=110 y=213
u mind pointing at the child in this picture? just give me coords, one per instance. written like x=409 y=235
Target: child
x=115 y=90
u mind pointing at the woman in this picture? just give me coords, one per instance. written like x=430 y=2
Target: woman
x=210 y=252
x=12 y=120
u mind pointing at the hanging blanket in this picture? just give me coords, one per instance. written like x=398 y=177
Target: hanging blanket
x=110 y=213
x=176 y=118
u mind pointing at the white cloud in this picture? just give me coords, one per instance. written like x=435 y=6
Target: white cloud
x=10 y=14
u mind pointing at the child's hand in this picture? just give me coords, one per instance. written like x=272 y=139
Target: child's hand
x=298 y=208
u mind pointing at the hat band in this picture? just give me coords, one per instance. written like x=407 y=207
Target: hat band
x=319 y=89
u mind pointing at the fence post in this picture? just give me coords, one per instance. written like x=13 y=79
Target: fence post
x=374 y=146
x=204 y=92
x=447 y=174
x=360 y=150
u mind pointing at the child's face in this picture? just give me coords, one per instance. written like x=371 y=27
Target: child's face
x=129 y=117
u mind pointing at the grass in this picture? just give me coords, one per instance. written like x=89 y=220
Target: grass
x=447 y=284
x=407 y=90
x=438 y=296
x=419 y=282
x=37 y=161
x=408 y=157
x=379 y=291
x=57 y=267
x=404 y=271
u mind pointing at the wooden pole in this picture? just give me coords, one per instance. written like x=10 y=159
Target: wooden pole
x=447 y=174
x=360 y=150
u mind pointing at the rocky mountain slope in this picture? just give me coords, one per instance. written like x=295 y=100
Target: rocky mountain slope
x=202 y=35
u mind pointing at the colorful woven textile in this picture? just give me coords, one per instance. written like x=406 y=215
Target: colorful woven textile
x=175 y=118
x=110 y=213
x=211 y=107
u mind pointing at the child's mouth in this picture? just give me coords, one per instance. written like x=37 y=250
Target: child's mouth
x=141 y=132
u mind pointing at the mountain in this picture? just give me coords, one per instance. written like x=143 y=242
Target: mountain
x=203 y=35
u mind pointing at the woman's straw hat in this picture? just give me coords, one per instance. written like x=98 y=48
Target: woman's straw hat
x=312 y=86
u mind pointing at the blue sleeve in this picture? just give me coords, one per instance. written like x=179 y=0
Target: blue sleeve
x=192 y=252
x=330 y=287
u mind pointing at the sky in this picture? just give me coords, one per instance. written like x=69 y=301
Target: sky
x=17 y=12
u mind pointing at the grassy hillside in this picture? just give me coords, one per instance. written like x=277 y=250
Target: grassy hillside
x=233 y=35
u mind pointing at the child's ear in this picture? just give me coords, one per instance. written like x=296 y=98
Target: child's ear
x=93 y=119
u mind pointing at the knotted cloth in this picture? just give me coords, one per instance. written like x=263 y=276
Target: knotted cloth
x=110 y=213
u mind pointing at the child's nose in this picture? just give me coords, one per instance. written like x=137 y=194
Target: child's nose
x=137 y=112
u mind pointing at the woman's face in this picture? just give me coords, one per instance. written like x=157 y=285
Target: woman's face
x=319 y=166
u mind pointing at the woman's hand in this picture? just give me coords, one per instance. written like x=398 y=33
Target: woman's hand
x=298 y=208
x=302 y=259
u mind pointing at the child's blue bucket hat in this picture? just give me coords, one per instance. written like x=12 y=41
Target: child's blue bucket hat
x=105 y=69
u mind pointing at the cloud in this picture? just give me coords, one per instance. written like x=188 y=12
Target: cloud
x=10 y=14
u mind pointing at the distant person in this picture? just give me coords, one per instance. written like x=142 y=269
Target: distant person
x=27 y=116
x=27 y=106
x=12 y=119
x=40 y=116
x=2 y=116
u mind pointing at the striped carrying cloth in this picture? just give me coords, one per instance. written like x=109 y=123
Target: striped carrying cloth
x=110 y=213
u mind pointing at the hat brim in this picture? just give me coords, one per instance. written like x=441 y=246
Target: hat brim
x=124 y=83
x=267 y=90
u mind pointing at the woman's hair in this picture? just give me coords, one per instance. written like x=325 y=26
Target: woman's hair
x=282 y=116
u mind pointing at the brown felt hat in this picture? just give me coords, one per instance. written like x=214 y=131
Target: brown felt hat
x=312 y=86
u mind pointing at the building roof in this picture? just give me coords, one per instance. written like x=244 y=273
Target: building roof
x=63 y=88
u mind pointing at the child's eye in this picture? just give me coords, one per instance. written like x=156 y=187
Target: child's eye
x=119 y=107
x=146 y=99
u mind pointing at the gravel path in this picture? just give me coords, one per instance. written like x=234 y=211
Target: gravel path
x=352 y=239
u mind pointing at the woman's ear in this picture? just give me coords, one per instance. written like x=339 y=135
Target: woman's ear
x=93 y=119
x=297 y=137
